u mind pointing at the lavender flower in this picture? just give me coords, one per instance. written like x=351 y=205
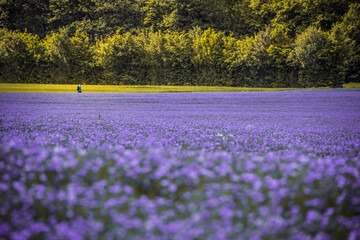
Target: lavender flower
x=276 y=165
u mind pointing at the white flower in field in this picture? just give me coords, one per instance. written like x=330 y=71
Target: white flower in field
x=249 y=127
x=81 y=152
x=223 y=136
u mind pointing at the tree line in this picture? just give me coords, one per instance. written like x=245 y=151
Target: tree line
x=255 y=43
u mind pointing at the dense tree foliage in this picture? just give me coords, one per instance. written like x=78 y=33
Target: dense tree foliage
x=277 y=43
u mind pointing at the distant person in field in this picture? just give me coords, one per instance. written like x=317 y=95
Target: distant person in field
x=79 y=88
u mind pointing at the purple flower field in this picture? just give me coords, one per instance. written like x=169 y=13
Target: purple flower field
x=242 y=165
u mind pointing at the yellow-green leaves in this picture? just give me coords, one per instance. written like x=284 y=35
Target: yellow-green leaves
x=320 y=56
x=208 y=48
x=308 y=45
x=68 y=58
x=18 y=55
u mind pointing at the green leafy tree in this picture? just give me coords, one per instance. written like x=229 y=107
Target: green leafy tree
x=68 y=58
x=156 y=13
x=298 y=15
x=259 y=60
x=305 y=56
x=184 y=15
x=261 y=14
x=320 y=57
x=97 y=18
x=119 y=57
x=213 y=14
x=209 y=57
x=179 y=58
x=244 y=18
x=18 y=56
x=335 y=55
x=283 y=74
x=157 y=56
x=25 y=15
x=75 y=15
x=170 y=58
x=263 y=59
x=236 y=55
x=350 y=26
x=66 y=12
x=116 y=14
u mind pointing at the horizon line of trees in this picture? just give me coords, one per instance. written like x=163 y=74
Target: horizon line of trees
x=278 y=43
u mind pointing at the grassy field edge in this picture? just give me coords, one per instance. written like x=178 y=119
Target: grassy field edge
x=61 y=88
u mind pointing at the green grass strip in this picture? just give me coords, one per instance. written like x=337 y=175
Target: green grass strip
x=351 y=85
x=28 y=87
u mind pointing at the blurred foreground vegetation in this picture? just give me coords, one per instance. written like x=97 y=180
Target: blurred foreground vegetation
x=277 y=43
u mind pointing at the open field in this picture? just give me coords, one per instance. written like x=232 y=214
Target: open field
x=9 y=87
x=229 y=165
